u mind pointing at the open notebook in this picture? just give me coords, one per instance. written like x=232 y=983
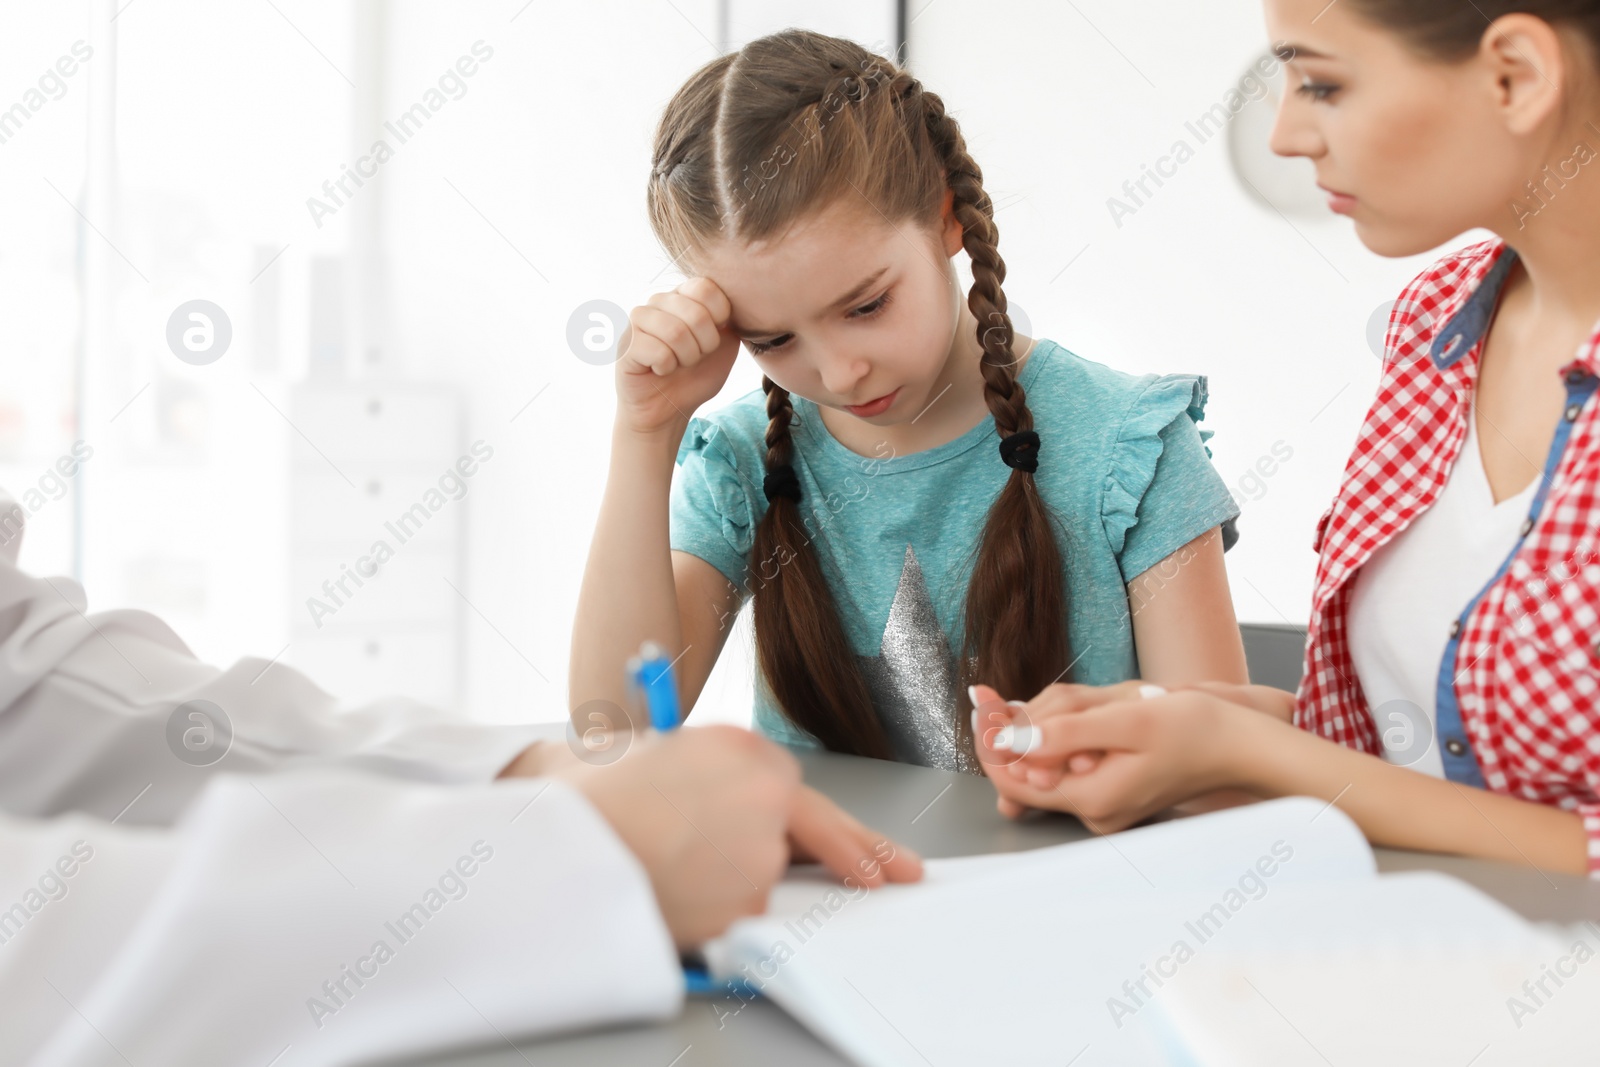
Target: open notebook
x=1069 y=955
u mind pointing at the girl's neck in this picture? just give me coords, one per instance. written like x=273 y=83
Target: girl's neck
x=953 y=406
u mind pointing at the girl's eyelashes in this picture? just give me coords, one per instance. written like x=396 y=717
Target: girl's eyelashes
x=1318 y=91
x=760 y=347
x=865 y=311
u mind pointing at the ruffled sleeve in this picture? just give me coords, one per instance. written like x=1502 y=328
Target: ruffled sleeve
x=1161 y=491
x=713 y=506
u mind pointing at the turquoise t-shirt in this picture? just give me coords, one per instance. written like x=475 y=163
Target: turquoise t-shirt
x=1121 y=462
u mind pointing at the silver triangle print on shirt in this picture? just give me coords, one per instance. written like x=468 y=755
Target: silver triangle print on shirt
x=913 y=679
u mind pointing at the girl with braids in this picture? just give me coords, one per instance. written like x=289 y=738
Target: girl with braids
x=1455 y=625
x=917 y=499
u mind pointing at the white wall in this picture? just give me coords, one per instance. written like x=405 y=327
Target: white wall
x=40 y=308
x=516 y=204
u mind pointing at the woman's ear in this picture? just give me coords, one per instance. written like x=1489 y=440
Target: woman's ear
x=1523 y=53
x=951 y=231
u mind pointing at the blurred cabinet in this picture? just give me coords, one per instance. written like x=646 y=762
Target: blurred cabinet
x=378 y=507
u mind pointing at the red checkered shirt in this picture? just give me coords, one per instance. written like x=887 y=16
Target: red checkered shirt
x=1518 y=697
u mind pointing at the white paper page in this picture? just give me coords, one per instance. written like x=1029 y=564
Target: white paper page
x=1016 y=958
x=1436 y=990
x=1200 y=852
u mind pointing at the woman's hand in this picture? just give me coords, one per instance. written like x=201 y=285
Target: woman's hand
x=677 y=353
x=1011 y=723
x=1061 y=699
x=1162 y=751
x=1156 y=752
x=1263 y=698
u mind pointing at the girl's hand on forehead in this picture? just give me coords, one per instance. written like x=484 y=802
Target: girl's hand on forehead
x=677 y=353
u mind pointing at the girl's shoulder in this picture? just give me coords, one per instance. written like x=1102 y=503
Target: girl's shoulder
x=1097 y=406
x=734 y=434
x=1130 y=447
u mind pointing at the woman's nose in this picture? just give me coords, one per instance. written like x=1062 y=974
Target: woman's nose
x=1293 y=133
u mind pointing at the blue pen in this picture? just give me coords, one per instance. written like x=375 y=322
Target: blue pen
x=650 y=677
x=650 y=673
x=699 y=983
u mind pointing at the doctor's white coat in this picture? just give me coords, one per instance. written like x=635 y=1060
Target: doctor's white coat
x=342 y=886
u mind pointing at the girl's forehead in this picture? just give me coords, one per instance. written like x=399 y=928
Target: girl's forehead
x=840 y=230
x=808 y=271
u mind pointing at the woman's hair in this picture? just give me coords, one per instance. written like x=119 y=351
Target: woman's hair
x=756 y=141
x=1452 y=29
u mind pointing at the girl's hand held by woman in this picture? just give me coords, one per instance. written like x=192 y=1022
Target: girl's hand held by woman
x=1154 y=753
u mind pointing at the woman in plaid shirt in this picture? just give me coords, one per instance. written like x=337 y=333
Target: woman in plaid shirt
x=1455 y=624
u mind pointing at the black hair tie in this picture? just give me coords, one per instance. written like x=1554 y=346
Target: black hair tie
x=1020 y=451
x=781 y=481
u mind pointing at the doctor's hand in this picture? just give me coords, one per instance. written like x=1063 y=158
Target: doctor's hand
x=822 y=832
x=714 y=814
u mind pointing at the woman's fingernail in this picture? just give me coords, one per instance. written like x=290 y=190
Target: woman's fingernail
x=1017 y=703
x=972 y=695
x=1148 y=691
x=1019 y=739
x=974 y=722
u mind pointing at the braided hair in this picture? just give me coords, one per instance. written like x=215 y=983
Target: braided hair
x=788 y=126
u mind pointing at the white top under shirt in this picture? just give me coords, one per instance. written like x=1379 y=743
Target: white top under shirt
x=1406 y=596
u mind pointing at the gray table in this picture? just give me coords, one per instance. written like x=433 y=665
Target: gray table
x=938 y=813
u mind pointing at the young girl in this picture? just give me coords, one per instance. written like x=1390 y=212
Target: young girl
x=916 y=498
x=1455 y=626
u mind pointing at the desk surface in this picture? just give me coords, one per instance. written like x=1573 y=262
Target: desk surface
x=937 y=813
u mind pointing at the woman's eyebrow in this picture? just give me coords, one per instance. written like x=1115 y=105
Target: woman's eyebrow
x=1287 y=51
x=849 y=298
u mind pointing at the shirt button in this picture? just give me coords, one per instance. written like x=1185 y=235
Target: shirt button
x=1527 y=527
x=1573 y=412
x=1454 y=747
x=1455 y=628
